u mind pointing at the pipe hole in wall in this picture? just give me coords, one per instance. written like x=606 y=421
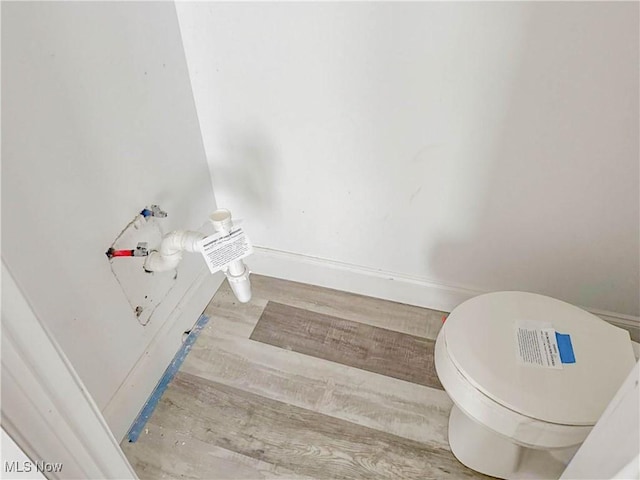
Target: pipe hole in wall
x=185 y=335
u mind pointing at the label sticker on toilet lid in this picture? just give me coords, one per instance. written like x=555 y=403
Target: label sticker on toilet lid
x=537 y=346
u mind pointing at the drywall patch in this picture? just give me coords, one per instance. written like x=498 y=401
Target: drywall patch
x=144 y=291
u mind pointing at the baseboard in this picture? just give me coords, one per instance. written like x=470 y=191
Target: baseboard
x=385 y=285
x=125 y=405
x=357 y=279
x=627 y=322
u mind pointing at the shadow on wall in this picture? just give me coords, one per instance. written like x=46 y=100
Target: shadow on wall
x=196 y=185
x=574 y=216
x=246 y=162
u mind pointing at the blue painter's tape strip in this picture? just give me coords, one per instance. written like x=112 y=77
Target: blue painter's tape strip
x=565 y=347
x=169 y=373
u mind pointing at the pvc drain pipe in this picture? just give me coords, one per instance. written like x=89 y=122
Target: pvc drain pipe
x=170 y=253
x=236 y=272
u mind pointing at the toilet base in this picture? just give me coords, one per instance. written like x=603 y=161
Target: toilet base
x=488 y=452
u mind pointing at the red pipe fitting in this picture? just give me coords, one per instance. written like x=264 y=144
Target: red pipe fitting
x=118 y=253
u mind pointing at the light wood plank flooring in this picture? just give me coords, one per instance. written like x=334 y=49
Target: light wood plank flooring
x=304 y=382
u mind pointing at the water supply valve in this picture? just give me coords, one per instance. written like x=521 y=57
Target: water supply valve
x=141 y=250
x=153 y=211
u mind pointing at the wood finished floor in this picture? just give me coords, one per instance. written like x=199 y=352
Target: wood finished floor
x=304 y=382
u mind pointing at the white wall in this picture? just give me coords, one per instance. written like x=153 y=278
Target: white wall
x=482 y=145
x=98 y=121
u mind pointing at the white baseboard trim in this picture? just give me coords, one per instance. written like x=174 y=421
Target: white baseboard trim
x=125 y=405
x=627 y=322
x=356 y=279
x=386 y=285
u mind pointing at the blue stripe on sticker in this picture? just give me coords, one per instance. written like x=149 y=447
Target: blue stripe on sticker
x=565 y=347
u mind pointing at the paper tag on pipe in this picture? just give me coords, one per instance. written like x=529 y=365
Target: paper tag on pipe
x=221 y=249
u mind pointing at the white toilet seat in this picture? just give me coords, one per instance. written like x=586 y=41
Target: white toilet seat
x=476 y=361
x=522 y=430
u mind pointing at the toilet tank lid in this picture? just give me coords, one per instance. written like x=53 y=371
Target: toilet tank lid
x=481 y=338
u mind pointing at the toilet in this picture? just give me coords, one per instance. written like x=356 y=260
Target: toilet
x=529 y=377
